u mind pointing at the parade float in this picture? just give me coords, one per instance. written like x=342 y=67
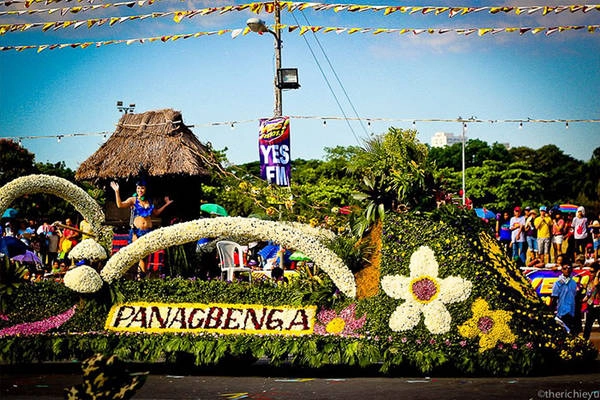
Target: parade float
x=439 y=296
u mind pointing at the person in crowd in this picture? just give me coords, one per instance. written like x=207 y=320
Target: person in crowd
x=42 y=232
x=543 y=224
x=68 y=238
x=564 y=293
x=8 y=231
x=595 y=232
x=53 y=243
x=590 y=254
x=531 y=236
x=86 y=227
x=569 y=237
x=503 y=233
x=580 y=231
x=517 y=224
x=143 y=209
x=592 y=299
x=558 y=227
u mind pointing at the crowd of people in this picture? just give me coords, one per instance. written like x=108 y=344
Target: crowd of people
x=551 y=239
x=537 y=238
x=49 y=244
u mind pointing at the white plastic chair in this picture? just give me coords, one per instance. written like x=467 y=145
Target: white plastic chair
x=227 y=259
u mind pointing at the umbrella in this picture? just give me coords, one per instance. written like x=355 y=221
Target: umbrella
x=12 y=246
x=485 y=213
x=10 y=213
x=299 y=256
x=214 y=209
x=567 y=208
x=29 y=257
x=269 y=251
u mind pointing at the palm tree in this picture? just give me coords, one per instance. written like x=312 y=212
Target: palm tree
x=395 y=176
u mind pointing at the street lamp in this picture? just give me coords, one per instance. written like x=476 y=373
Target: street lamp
x=125 y=109
x=285 y=78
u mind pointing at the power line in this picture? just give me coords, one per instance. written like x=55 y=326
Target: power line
x=521 y=122
x=330 y=88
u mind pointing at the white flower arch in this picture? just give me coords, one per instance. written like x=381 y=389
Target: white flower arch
x=294 y=236
x=30 y=184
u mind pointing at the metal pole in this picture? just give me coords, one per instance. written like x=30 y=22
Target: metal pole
x=464 y=193
x=277 y=33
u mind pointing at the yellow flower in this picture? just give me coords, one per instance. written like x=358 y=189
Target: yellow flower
x=491 y=326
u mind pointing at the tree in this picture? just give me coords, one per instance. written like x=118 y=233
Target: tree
x=498 y=186
x=395 y=173
x=15 y=161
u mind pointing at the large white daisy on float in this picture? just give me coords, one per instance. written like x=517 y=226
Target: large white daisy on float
x=424 y=293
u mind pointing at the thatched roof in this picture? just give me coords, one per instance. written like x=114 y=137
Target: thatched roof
x=155 y=142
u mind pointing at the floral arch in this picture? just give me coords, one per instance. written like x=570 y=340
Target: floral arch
x=59 y=187
x=297 y=236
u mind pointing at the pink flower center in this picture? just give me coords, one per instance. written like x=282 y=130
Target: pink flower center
x=424 y=289
x=485 y=324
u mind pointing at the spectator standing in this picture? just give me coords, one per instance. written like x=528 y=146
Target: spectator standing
x=53 y=241
x=86 y=227
x=558 y=227
x=595 y=231
x=568 y=237
x=543 y=224
x=503 y=231
x=42 y=231
x=592 y=298
x=531 y=236
x=580 y=231
x=564 y=293
x=517 y=224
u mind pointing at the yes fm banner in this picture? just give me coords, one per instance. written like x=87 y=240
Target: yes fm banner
x=274 y=150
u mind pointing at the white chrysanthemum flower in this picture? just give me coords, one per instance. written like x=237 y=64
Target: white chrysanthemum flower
x=88 y=249
x=424 y=293
x=83 y=279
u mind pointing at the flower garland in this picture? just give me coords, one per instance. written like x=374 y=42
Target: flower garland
x=296 y=236
x=343 y=324
x=83 y=279
x=496 y=255
x=491 y=326
x=37 y=327
x=424 y=293
x=59 y=187
x=88 y=249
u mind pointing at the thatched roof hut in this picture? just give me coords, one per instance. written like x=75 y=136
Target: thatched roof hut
x=159 y=147
x=156 y=143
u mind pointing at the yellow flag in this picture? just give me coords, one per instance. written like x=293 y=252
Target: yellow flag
x=47 y=26
x=538 y=30
x=483 y=31
x=179 y=16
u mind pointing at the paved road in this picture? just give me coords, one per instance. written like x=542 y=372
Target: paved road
x=261 y=382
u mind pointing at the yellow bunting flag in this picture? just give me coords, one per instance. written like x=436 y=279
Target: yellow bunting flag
x=483 y=31
x=178 y=16
x=47 y=26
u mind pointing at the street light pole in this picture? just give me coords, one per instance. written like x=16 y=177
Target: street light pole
x=278 y=110
x=464 y=194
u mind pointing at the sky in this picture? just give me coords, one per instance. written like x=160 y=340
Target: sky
x=224 y=85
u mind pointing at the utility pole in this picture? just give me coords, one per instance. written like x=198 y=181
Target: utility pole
x=277 y=111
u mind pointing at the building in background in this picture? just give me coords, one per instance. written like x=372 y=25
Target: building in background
x=443 y=139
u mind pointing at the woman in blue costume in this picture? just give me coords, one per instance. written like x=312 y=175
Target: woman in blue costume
x=143 y=210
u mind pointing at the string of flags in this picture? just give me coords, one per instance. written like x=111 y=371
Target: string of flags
x=269 y=7
x=255 y=7
x=59 y=137
x=304 y=29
